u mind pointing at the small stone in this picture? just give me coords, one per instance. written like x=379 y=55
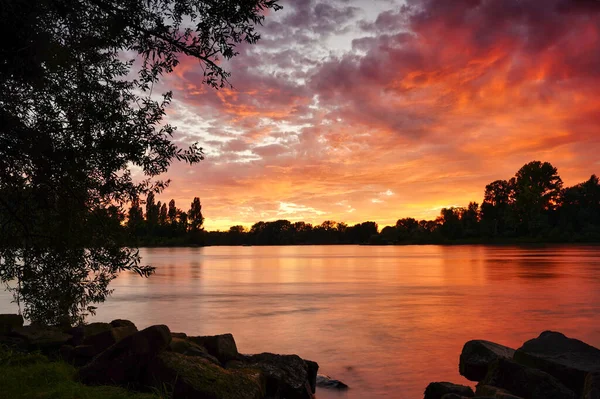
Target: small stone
x=325 y=381
x=222 y=346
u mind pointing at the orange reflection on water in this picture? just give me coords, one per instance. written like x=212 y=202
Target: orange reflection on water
x=385 y=320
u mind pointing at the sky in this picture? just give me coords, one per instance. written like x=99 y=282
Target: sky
x=352 y=110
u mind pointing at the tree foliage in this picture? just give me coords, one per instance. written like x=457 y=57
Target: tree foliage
x=77 y=110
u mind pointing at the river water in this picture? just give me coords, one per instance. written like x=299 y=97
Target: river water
x=385 y=320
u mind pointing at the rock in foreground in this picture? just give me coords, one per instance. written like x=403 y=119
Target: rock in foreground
x=436 y=390
x=569 y=360
x=325 y=381
x=125 y=362
x=192 y=377
x=477 y=355
x=525 y=382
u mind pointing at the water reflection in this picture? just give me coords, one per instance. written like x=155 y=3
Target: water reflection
x=383 y=319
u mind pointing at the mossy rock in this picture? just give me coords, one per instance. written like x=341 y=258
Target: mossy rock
x=188 y=348
x=188 y=377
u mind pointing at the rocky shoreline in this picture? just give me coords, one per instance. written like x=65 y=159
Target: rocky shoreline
x=551 y=366
x=156 y=359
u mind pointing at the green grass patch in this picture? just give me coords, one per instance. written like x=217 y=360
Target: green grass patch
x=33 y=376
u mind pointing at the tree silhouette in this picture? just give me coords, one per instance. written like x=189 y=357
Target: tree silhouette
x=75 y=115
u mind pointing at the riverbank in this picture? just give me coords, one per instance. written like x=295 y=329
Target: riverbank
x=92 y=360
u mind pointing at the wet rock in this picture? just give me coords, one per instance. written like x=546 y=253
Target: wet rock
x=591 y=388
x=477 y=355
x=526 y=382
x=188 y=348
x=222 y=347
x=125 y=362
x=9 y=322
x=286 y=376
x=569 y=360
x=48 y=340
x=192 y=377
x=324 y=381
x=436 y=390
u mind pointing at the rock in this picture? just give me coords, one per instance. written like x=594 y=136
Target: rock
x=489 y=390
x=493 y=392
x=178 y=335
x=222 y=347
x=324 y=381
x=477 y=355
x=48 y=340
x=591 y=388
x=79 y=333
x=567 y=359
x=15 y=343
x=10 y=321
x=188 y=348
x=103 y=340
x=313 y=368
x=192 y=377
x=436 y=390
x=526 y=382
x=123 y=323
x=125 y=362
x=287 y=376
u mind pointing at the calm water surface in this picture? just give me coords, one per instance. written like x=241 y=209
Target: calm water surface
x=385 y=320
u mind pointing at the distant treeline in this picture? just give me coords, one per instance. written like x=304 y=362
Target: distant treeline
x=532 y=206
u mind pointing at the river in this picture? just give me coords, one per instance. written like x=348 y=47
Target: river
x=386 y=320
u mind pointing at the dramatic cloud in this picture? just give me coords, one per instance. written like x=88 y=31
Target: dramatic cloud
x=375 y=110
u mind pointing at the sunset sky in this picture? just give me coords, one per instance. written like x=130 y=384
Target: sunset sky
x=355 y=110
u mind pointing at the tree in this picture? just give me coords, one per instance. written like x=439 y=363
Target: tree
x=162 y=214
x=496 y=207
x=75 y=115
x=152 y=210
x=537 y=188
x=195 y=218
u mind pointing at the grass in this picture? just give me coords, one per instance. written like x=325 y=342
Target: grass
x=33 y=376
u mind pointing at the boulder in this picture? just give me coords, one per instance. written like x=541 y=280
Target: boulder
x=188 y=348
x=48 y=340
x=123 y=323
x=591 y=388
x=192 y=377
x=523 y=381
x=491 y=391
x=477 y=355
x=10 y=321
x=222 y=346
x=567 y=359
x=286 y=376
x=104 y=339
x=313 y=368
x=125 y=362
x=325 y=381
x=436 y=390
x=178 y=335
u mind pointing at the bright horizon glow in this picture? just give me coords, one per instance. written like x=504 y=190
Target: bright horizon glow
x=358 y=111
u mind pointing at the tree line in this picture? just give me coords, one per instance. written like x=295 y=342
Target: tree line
x=532 y=206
